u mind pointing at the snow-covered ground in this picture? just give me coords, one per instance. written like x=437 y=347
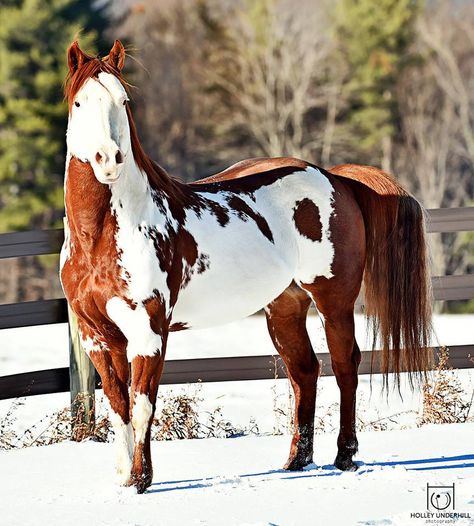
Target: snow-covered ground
x=226 y=482
x=238 y=481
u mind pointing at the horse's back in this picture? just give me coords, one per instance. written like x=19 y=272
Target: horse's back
x=252 y=167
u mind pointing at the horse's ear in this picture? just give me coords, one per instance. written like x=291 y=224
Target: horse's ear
x=75 y=57
x=116 y=57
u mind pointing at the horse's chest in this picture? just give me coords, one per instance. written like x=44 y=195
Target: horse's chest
x=141 y=267
x=88 y=286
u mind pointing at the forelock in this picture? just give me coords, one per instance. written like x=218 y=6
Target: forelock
x=90 y=69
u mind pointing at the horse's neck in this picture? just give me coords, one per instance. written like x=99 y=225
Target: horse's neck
x=94 y=209
x=152 y=197
x=131 y=193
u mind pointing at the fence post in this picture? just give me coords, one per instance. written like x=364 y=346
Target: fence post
x=82 y=384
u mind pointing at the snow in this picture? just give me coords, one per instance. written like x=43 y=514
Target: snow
x=239 y=482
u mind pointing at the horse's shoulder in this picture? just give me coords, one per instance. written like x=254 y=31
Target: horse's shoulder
x=254 y=166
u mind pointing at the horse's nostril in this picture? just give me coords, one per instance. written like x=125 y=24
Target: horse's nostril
x=98 y=157
x=119 y=157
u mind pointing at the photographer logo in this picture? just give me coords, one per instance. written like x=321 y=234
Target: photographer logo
x=440 y=498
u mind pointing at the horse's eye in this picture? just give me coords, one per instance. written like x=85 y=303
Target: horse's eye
x=77 y=104
x=124 y=102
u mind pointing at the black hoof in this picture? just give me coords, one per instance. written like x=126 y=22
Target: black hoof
x=298 y=463
x=140 y=482
x=345 y=463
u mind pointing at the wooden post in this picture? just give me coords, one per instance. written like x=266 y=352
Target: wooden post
x=82 y=384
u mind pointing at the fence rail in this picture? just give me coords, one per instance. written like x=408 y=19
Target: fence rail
x=20 y=244
x=198 y=370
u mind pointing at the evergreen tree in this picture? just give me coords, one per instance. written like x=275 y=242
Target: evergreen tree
x=34 y=36
x=374 y=37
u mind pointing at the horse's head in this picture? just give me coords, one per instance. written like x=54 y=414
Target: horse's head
x=98 y=129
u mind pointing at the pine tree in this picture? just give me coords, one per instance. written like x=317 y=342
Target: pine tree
x=34 y=35
x=374 y=38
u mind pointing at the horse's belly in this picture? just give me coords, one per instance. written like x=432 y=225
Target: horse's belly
x=222 y=295
x=198 y=309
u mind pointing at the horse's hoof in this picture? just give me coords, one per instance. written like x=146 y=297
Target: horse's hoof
x=140 y=482
x=297 y=463
x=345 y=464
x=122 y=478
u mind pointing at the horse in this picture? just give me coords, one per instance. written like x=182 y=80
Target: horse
x=145 y=255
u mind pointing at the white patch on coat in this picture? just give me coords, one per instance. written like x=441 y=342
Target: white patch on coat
x=142 y=413
x=247 y=271
x=134 y=209
x=124 y=446
x=135 y=325
x=67 y=246
x=88 y=345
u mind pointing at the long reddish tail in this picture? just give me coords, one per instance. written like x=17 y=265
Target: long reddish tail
x=396 y=279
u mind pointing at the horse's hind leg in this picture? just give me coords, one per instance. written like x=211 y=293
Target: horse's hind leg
x=335 y=298
x=286 y=320
x=338 y=313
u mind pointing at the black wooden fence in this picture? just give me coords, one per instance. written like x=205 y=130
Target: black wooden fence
x=43 y=312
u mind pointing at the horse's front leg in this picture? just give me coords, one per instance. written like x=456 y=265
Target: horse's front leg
x=146 y=374
x=110 y=359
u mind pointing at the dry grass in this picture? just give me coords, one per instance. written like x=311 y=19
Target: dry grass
x=179 y=419
x=444 y=399
x=52 y=429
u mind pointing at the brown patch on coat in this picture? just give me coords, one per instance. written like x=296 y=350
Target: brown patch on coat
x=156 y=310
x=113 y=369
x=91 y=276
x=203 y=263
x=178 y=256
x=178 y=326
x=218 y=211
x=307 y=219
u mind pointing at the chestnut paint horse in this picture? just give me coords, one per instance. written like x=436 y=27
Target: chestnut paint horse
x=145 y=254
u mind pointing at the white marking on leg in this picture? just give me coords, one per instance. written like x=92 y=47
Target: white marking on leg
x=135 y=325
x=88 y=345
x=142 y=412
x=124 y=445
